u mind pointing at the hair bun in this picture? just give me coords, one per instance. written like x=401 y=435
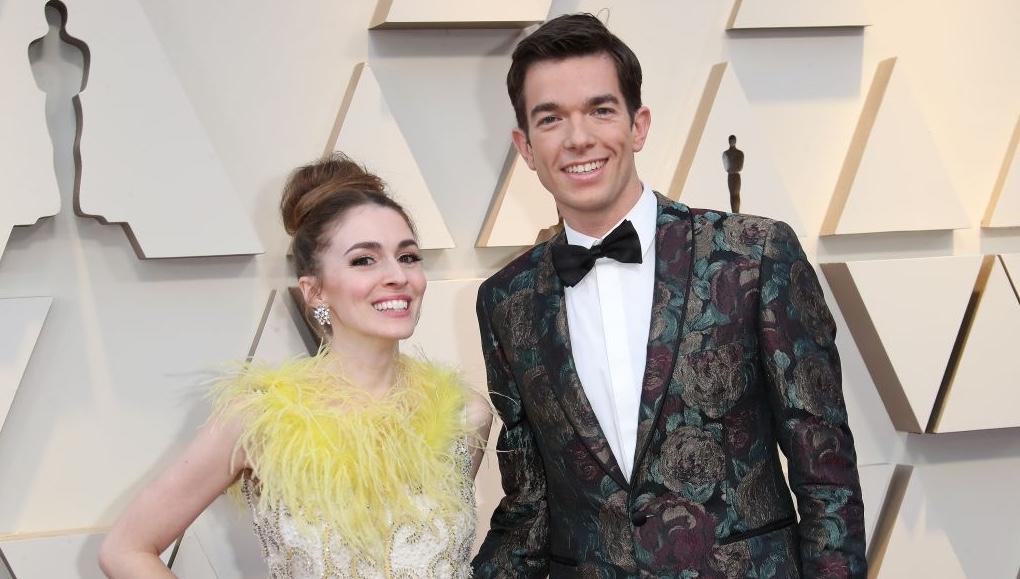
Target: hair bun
x=314 y=185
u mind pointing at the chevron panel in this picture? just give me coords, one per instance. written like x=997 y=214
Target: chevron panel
x=366 y=130
x=1011 y=261
x=447 y=331
x=796 y=14
x=893 y=178
x=5 y=567
x=905 y=315
x=282 y=332
x=985 y=388
x=146 y=160
x=521 y=209
x=72 y=554
x=911 y=534
x=882 y=487
x=21 y=321
x=875 y=479
x=1004 y=205
x=458 y=14
x=222 y=539
x=28 y=185
x=701 y=179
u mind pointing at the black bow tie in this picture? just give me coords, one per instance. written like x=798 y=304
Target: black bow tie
x=573 y=262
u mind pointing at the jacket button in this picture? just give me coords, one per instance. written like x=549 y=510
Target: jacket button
x=638 y=519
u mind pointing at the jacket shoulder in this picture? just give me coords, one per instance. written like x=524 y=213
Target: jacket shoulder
x=739 y=233
x=519 y=274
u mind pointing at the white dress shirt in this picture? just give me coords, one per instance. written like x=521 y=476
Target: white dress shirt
x=608 y=316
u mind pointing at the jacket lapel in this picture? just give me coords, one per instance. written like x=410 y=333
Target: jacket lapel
x=674 y=253
x=550 y=318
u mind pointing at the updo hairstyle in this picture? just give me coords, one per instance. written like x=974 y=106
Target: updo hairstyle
x=319 y=195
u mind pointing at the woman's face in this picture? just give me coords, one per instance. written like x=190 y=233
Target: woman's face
x=370 y=275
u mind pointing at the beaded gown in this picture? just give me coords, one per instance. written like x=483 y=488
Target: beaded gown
x=342 y=485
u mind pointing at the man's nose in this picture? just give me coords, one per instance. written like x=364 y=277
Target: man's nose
x=580 y=135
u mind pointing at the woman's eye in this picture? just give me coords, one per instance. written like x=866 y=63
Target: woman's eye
x=410 y=258
x=362 y=261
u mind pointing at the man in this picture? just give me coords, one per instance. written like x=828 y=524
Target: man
x=644 y=384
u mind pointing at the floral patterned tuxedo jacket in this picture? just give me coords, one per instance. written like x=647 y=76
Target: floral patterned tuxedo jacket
x=741 y=359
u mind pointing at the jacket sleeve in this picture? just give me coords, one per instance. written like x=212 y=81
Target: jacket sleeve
x=797 y=340
x=517 y=542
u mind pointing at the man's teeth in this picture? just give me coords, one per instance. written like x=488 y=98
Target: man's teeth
x=391 y=305
x=585 y=167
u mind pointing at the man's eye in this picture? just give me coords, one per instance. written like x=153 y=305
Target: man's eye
x=410 y=258
x=362 y=261
x=603 y=111
x=546 y=120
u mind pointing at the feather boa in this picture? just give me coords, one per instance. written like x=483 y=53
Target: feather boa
x=331 y=453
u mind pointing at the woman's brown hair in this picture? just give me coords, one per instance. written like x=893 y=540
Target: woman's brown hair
x=319 y=195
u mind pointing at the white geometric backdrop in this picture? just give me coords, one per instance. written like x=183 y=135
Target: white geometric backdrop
x=112 y=387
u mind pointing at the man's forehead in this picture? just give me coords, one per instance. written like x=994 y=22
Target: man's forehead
x=571 y=80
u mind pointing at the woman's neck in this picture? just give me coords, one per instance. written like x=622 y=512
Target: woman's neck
x=371 y=366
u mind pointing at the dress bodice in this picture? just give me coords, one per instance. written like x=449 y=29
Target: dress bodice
x=434 y=548
x=342 y=484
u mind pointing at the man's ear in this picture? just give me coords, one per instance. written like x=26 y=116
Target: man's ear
x=309 y=286
x=523 y=146
x=642 y=122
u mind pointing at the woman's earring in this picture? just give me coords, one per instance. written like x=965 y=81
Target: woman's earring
x=321 y=314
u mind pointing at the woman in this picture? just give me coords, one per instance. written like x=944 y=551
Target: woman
x=357 y=462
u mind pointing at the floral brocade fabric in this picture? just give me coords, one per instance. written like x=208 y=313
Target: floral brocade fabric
x=741 y=367
x=342 y=484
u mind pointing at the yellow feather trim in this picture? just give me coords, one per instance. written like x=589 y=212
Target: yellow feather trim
x=332 y=454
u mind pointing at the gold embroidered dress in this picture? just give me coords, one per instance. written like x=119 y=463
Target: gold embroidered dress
x=343 y=484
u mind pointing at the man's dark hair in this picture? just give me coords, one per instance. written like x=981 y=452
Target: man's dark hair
x=568 y=36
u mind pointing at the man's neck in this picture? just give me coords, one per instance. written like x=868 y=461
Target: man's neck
x=598 y=224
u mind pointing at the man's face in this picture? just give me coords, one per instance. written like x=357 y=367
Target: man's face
x=581 y=140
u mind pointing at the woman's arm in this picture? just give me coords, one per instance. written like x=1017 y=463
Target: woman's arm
x=479 y=415
x=165 y=508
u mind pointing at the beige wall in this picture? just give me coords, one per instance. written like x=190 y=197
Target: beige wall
x=113 y=388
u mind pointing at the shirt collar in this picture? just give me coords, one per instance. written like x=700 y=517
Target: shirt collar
x=643 y=216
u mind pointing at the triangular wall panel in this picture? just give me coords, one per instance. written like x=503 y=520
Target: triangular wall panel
x=146 y=159
x=458 y=14
x=700 y=179
x=797 y=14
x=191 y=561
x=221 y=538
x=5 y=568
x=447 y=330
x=76 y=554
x=28 y=184
x=882 y=489
x=905 y=315
x=875 y=479
x=893 y=178
x=985 y=388
x=282 y=333
x=1011 y=261
x=520 y=210
x=1004 y=205
x=447 y=333
x=366 y=131
x=57 y=555
x=912 y=533
x=21 y=321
